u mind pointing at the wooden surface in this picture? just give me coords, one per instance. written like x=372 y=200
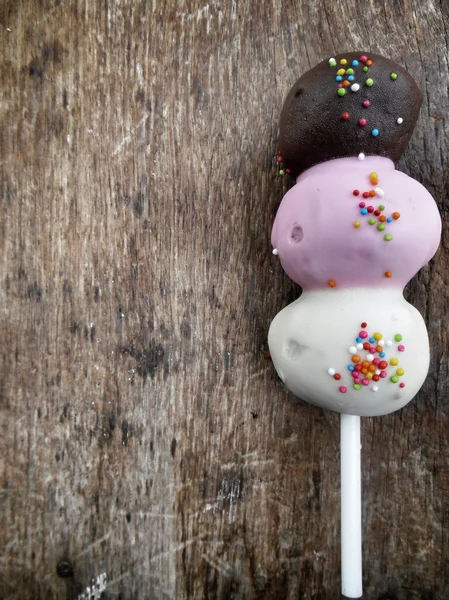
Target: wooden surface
x=149 y=450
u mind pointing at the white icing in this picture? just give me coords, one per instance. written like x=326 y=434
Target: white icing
x=323 y=324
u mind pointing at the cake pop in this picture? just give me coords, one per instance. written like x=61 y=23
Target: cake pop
x=352 y=232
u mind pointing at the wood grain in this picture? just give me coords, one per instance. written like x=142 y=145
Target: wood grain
x=148 y=449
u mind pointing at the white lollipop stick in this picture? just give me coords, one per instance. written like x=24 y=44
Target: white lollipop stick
x=351 y=509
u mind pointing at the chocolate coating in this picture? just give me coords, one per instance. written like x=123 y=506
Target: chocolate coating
x=312 y=129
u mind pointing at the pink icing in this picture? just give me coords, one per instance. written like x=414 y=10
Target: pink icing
x=316 y=239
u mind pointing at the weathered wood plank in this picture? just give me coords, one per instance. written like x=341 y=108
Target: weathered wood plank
x=145 y=434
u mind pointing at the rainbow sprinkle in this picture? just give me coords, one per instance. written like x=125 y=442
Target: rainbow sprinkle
x=369 y=364
x=280 y=162
x=375 y=215
x=346 y=77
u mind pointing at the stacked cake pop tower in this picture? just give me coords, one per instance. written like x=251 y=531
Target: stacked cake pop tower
x=352 y=232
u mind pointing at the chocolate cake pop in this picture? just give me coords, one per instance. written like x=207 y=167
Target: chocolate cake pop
x=347 y=103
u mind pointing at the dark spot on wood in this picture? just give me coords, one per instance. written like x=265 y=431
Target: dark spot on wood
x=260 y=582
x=228 y=378
x=128 y=517
x=97 y=293
x=132 y=244
x=136 y=200
x=173 y=445
x=64 y=568
x=74 y=328
x=65 y=413
x=134 y=276
x=199 y=93
x=151 y=446
x=140 y=96
x=55 y=122
x=186 y=330
x=316 y=478
x=127 y=432
x=148 y=360
x=36 y=67
x=252 y=284
x=254 y=414
x=306 y=575
x=50 y=54
x=65 y=99
x=109 y=423
x=139 y=204
x=66 y=289
x=6 y=197
x=57 y=457
x=93 y=331
x=34 y=292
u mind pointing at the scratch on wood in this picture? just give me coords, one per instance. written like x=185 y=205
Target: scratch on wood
x=156 y=557
x=218 y=565
x=144 y=514
x=95 y=590
x=259 y=373
x=128 y=137
x=175 y=549
x=93 y=545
